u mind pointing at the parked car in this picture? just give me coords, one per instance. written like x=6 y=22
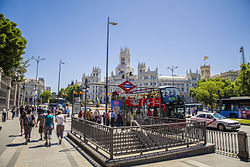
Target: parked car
x=215 y=120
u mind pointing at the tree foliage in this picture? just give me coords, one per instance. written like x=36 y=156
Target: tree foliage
x=68 y=92
x=242 y=83
x=208 y=91
x=12 y=45
x=46 y=95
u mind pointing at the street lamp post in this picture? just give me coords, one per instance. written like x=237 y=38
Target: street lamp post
x=38 y=59
x=60 y=63
x=172 y=70
x=106 y=86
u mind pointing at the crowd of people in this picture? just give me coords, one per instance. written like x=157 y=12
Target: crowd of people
x=44 y=118
x=109 y=118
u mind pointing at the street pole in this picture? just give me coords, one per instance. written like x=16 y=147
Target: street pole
x=106 y=85
x=172 y=70
x=60 y=63
x=85 y=97
x=37 y=65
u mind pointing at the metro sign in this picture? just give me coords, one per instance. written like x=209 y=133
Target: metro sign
x=127 y=86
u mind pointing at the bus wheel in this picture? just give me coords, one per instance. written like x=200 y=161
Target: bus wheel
x=221 y=127
x=232 y=115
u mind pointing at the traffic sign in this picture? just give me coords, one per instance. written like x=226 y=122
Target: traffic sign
x=127 y=86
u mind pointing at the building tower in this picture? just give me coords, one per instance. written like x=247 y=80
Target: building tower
x=205 y=72
x=141 y=68
x=124 y=66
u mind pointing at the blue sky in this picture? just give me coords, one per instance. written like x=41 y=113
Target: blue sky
x=160 y=33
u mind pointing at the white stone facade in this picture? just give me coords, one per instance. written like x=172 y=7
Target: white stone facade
x=30 y=89
x=144 y=77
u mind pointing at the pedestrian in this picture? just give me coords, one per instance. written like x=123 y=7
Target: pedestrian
x=118 y=120
x=112 y=115
x=21 y=110
x=48 y=127
x=13 y=112
x=80 y=114
x=20 y=120
x=40 y=120
x=60 y=119
x=28 y=123
x=107 y=118
x=104 y=117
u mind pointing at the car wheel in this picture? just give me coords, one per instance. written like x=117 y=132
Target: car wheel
x=221 y=127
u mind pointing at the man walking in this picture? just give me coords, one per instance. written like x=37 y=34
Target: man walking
x=60 y=126
x=28 y=122
x=40 y=120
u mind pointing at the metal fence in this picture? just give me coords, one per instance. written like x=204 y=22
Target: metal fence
x=225 y=143
x=138 y=139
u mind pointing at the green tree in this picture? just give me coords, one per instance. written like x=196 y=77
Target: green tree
x=46 y=95
x=12 y=45
x=208 y=91
x=69 y=92
x=242 y=83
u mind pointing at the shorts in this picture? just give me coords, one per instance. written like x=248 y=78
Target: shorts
x=41 y=129
x=59 y=130
x=27 y=131
x=48 y=132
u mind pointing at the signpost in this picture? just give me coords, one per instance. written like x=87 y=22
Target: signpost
x=127 y=86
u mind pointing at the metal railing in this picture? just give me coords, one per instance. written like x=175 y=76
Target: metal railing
x=139 y=139
x=150 y=120
x=226 y=143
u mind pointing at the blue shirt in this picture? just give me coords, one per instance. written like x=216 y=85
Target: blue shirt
x=49 y=120
x=112 y=115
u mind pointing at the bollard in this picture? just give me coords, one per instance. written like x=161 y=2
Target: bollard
x=243 y=145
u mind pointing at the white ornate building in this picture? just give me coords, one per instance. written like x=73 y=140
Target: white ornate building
x=144 y=77
x=31 y=87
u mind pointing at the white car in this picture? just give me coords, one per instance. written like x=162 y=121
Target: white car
x=215 y=120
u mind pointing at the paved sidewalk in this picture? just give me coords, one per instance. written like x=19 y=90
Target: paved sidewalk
x=13 y=152
x=35 y=154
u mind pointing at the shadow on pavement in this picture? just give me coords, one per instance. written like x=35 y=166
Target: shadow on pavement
x=14 y=135
x=68 y=149
x=38 y=146
x=15 y=144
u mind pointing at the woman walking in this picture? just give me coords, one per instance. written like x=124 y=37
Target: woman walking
x=60 y=119
x=48 y=127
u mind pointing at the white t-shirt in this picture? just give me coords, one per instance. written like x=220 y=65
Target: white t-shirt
x=60 y=119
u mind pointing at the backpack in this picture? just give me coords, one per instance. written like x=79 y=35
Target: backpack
x=28 y=121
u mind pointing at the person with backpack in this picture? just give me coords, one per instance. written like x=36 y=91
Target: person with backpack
x=28 y=122
x=48 y=127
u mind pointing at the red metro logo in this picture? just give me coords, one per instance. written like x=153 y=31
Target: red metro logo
x=127 y=86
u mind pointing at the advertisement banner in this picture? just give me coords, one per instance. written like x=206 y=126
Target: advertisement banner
x=116 y=106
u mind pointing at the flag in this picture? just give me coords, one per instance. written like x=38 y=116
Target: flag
x=75 y=93
x=205 y=57
x=81 y=92
x=113 y=23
